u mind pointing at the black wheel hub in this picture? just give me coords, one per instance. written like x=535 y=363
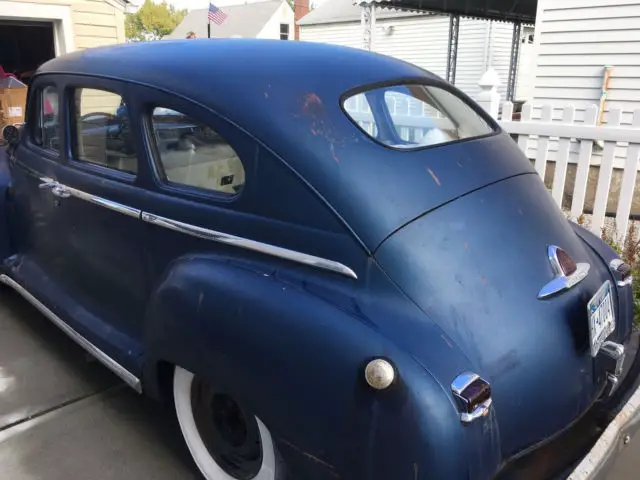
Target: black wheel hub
x=229 y=432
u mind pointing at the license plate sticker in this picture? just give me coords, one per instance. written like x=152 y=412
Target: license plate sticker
x=602 y=320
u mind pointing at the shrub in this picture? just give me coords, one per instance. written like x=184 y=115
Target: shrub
x=630 y=253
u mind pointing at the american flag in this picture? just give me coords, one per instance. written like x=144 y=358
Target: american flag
x=216 y=15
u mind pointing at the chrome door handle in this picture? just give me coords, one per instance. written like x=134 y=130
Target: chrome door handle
x=60 y=191
x=47 y=184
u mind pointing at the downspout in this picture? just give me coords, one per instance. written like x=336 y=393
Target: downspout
x=603 y=101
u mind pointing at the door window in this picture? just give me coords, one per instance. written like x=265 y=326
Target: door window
x=102 y=133
x=45 y=132
x=193 y=154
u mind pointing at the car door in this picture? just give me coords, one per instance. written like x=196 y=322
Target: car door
x=100 y=231
x=35 y=216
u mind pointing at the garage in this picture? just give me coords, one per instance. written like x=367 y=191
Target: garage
x=24 y=46
x=33 y=32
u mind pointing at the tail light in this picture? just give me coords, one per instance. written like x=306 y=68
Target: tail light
x=473 y=396
x=622 y=272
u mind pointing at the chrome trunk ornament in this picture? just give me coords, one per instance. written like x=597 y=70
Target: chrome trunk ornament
x=567 y=273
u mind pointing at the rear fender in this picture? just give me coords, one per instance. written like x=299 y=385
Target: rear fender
x=293 y=350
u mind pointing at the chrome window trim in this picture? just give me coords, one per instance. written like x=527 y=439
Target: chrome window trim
x=248 y=244
x=126 y=376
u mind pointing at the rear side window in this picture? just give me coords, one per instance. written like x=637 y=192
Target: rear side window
x=414 y=116
x=192 y=154
x=102 y=134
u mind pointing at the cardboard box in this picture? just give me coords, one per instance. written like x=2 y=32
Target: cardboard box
x=13 y=102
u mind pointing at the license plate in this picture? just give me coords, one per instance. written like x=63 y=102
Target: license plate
x=602 y=320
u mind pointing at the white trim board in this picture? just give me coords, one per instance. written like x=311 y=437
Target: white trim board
x=59 y=15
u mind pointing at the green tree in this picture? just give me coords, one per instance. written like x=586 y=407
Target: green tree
x=152 y=21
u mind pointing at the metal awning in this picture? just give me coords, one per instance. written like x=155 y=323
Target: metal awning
x=505 y=10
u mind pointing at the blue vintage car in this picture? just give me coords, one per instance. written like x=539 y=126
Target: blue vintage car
x=329 y=263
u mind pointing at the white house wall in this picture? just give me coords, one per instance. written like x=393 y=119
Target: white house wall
x=423 y=41
x=345 y=34
x=575 y=40
x=284 y=14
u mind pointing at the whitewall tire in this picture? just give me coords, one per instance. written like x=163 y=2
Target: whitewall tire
x=216 y=450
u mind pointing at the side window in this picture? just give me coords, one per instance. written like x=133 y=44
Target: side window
x=45 y=132
x=102 y=133
x=193 y=154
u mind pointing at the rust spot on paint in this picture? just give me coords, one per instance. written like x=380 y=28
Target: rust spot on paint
x=312 y=105
x=484 y=280
x=446 y=341
x=433 y=175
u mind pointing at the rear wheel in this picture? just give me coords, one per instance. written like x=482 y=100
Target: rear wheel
x=225 y=440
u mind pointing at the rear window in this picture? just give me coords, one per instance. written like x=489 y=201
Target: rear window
x=414 y=116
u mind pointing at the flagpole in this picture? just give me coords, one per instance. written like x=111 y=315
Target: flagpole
x=209 y=29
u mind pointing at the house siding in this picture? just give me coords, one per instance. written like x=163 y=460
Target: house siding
x=95 y=22
x=423 y=40
x=345 y=34
x=575 y=40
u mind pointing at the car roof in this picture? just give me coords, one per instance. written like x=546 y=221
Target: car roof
x=201 y=62
x=287 y=95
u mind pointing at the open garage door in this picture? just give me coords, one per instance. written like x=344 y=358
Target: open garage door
x=24 y=46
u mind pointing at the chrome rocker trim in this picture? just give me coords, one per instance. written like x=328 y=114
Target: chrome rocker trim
x=247 y=244
x=616 y=436
x=561 y=281
x=130 y=379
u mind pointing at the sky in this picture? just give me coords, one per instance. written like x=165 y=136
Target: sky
x=193 y=4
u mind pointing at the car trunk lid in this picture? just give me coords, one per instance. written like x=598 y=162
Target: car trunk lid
x=476 y=266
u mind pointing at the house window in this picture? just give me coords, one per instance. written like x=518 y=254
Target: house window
x=284 y=31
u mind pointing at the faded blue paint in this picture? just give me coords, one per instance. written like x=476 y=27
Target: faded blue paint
x=459 y=233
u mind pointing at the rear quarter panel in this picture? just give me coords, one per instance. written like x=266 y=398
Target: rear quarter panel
x=293 y=348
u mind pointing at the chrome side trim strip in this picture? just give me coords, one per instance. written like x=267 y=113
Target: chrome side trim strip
x=103 y=202
x=63 y=191
x=130 y=379
x=245 y=243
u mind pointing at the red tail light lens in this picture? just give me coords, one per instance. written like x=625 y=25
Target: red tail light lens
x=567 y=264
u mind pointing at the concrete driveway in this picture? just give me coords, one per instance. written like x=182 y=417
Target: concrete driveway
x=64 y=416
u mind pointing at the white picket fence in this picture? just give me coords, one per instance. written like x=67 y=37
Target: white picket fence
x=573 y=143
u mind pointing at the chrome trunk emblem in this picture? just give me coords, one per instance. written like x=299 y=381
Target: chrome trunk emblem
x=567 y=273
